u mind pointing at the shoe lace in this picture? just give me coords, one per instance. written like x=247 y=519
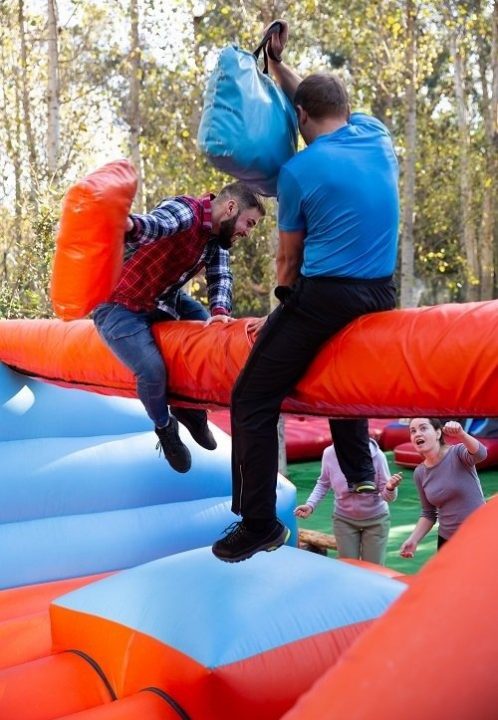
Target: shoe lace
x=172 y=440
x=174 y=448
x=233 y=531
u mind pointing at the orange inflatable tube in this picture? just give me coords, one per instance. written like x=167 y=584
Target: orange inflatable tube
x=145 y=705
x=57 y=685
x=24 y=619
x=437 y=361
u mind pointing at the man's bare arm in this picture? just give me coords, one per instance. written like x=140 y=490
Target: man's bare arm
x=289 y=256
x=283 y=74
x=285 y=77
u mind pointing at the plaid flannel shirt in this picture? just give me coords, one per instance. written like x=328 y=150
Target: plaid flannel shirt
x=165 y=249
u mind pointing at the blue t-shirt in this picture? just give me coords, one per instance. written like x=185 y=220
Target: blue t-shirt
x=342 y=190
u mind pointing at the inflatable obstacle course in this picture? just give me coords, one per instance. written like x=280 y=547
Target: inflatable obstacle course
x=217 y=642
x=436 y=361
x=171 y=632
x=90 y=503
x=202 y=634
x=349 y=377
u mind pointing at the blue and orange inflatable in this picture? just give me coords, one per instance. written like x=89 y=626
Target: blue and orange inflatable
x=110 y=592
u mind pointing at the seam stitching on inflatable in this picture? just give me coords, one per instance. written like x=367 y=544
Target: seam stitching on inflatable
x=164 y=695
x=98 y=670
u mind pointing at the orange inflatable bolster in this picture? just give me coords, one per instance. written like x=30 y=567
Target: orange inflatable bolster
x=24 y=619
x=24 y=639
x=89 y=245
x=437 y=361
x=50 y=687
x=145 y=705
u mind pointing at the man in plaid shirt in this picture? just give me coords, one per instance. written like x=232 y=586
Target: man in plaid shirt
x=164 y=249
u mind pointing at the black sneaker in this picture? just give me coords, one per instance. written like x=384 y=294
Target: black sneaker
x=240 y=543
x=196 y=423
x=365 y=486
x=175 y=452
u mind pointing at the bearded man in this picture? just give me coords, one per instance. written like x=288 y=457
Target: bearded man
x=164 y=249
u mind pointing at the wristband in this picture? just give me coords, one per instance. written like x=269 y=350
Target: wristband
x=282 y=292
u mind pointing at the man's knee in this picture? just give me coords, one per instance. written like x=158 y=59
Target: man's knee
x=151 y=365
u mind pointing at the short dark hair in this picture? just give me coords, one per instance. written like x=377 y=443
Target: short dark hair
x=438 y=424
x=246 y=198
x=323 y=95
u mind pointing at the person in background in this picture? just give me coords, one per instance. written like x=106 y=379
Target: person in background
x=360 y=521
x=164 y=249
x=338 y=215
x=447 y=480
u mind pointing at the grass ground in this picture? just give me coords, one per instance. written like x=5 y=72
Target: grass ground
x=404 y=512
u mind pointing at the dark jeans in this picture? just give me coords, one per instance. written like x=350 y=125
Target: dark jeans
x=352 y=447
x=129 y=336
x=315 y=311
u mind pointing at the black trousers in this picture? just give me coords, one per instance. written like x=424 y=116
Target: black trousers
x=316 y=310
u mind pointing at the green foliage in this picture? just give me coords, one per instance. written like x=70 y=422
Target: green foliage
x=254 y=271
x=24 y=291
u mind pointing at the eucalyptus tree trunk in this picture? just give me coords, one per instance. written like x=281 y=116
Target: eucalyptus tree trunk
x=17 y=162
x=468 y=231
x=53 y=93
x=195 y=110
x=490 y=114
x=28 y=130
x=407 y=294
x=494 y=115
x=11 y=121
x=135 y=121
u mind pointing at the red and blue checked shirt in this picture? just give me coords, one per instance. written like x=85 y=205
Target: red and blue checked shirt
x=165 y=249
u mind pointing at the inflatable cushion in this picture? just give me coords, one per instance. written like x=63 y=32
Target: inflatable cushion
x=89 y=244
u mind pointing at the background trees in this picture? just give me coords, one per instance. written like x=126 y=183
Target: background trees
x=84 y=82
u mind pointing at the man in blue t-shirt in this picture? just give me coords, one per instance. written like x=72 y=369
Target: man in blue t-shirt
x=338 y=230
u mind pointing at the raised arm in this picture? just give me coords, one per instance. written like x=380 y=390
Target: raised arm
x=285 y=77
x=454 y=429
x=282 y=73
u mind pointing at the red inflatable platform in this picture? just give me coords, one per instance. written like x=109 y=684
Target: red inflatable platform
x=306 y=436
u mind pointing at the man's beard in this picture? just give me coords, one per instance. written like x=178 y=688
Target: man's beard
x=226 y=231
